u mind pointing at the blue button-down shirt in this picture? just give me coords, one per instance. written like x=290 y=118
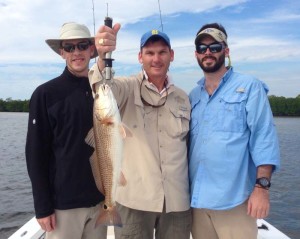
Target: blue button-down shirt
x=231 y=133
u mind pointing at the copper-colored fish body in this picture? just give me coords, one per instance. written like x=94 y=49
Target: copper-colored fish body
x=107 y=139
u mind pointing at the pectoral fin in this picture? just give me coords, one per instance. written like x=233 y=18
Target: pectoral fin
x=125 y=131
x=89 y=139
x=122 y=179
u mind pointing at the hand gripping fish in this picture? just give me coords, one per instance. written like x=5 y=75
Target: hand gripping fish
x=107 y=137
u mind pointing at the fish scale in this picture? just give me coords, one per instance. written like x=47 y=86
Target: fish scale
x=107 y=151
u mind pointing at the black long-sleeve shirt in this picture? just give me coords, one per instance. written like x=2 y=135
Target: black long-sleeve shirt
x=56 y=154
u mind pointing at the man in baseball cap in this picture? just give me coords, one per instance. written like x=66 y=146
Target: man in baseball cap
x=156 y=196
x=233 y=145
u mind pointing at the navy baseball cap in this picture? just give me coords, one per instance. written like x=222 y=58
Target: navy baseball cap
x=155 y=33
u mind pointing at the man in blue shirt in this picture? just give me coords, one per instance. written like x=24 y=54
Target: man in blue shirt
x=233 y=144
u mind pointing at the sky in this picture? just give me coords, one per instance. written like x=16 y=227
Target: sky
x=263 y=38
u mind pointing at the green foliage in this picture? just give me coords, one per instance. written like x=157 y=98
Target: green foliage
x=10 y=105
x=280 y=105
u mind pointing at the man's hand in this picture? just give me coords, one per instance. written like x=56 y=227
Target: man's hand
x=106 y=41
x=48 y=224
x=259 y=203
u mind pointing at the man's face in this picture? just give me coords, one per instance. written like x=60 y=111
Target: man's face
x=77 y=60
x=208 y=61
x=156 y=58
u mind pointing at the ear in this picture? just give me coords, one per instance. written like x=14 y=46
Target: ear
x=140 y=57
x=227 y=51
x=61 y=51
x=172 y=55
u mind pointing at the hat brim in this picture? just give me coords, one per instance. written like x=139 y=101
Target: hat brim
x=216 y=34
x=198 y=38
x=55 y=44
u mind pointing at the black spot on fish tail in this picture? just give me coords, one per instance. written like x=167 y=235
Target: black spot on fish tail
x=109 y=216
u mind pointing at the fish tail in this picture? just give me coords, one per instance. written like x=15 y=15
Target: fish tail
x=109 y=216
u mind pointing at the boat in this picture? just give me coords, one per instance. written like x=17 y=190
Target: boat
x=32 y=230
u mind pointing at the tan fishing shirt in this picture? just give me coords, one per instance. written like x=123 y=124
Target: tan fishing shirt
x=155 y=161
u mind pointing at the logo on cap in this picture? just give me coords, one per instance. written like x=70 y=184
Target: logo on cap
x=154 y=32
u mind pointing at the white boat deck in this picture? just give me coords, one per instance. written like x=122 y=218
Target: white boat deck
x=32 y=230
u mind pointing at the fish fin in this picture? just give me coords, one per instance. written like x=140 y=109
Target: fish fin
x=122 y=179
x=96 y=172
x=125 y=131
x=109 y=216
x=89 y=139
x=122 y=131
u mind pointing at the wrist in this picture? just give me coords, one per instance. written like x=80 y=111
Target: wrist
x=259 y=186
x=263 y=182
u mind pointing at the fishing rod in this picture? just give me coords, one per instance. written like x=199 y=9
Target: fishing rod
x=108 y=60
x=161 y=23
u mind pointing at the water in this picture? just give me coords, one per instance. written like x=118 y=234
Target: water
x=16 y=205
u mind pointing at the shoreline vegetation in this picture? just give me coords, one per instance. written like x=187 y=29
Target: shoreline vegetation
x=281 y=106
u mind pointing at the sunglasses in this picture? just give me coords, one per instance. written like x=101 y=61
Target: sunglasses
x=81 y=46
x=213 y=48
x=147 y=103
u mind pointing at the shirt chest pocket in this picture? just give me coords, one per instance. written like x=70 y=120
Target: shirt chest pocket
x=232 y=113
x=178 y=122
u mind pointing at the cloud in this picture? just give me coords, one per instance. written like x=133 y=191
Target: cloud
x=267 y=38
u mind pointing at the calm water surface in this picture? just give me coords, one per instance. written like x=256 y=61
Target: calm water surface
x=16 y=206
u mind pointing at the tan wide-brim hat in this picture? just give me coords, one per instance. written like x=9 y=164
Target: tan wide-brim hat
x=71 y=31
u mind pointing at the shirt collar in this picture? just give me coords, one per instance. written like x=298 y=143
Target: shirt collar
x=225 y=77
x=153 y=87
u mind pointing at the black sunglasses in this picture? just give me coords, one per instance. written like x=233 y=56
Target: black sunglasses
x=81 y=46
x=213 y=48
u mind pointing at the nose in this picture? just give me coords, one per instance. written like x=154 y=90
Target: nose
x=76 y=50
x=207 y=51
x=156 y=57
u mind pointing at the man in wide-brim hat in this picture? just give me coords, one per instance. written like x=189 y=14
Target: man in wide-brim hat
x=73 y=37
x=66 y=199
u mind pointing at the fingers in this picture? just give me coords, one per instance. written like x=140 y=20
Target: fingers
x=258 y=212
x=107 y=29
x=47 y=223
x=116 y=28
x=249 y=208
x=53 y=221
x=261 y=212
x=258 y=204
x=106 y=39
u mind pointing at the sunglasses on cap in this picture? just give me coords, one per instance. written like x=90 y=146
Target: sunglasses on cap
x=213 y=48
x=81 y=46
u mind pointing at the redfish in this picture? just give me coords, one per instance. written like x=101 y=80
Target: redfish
x=106 y=137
